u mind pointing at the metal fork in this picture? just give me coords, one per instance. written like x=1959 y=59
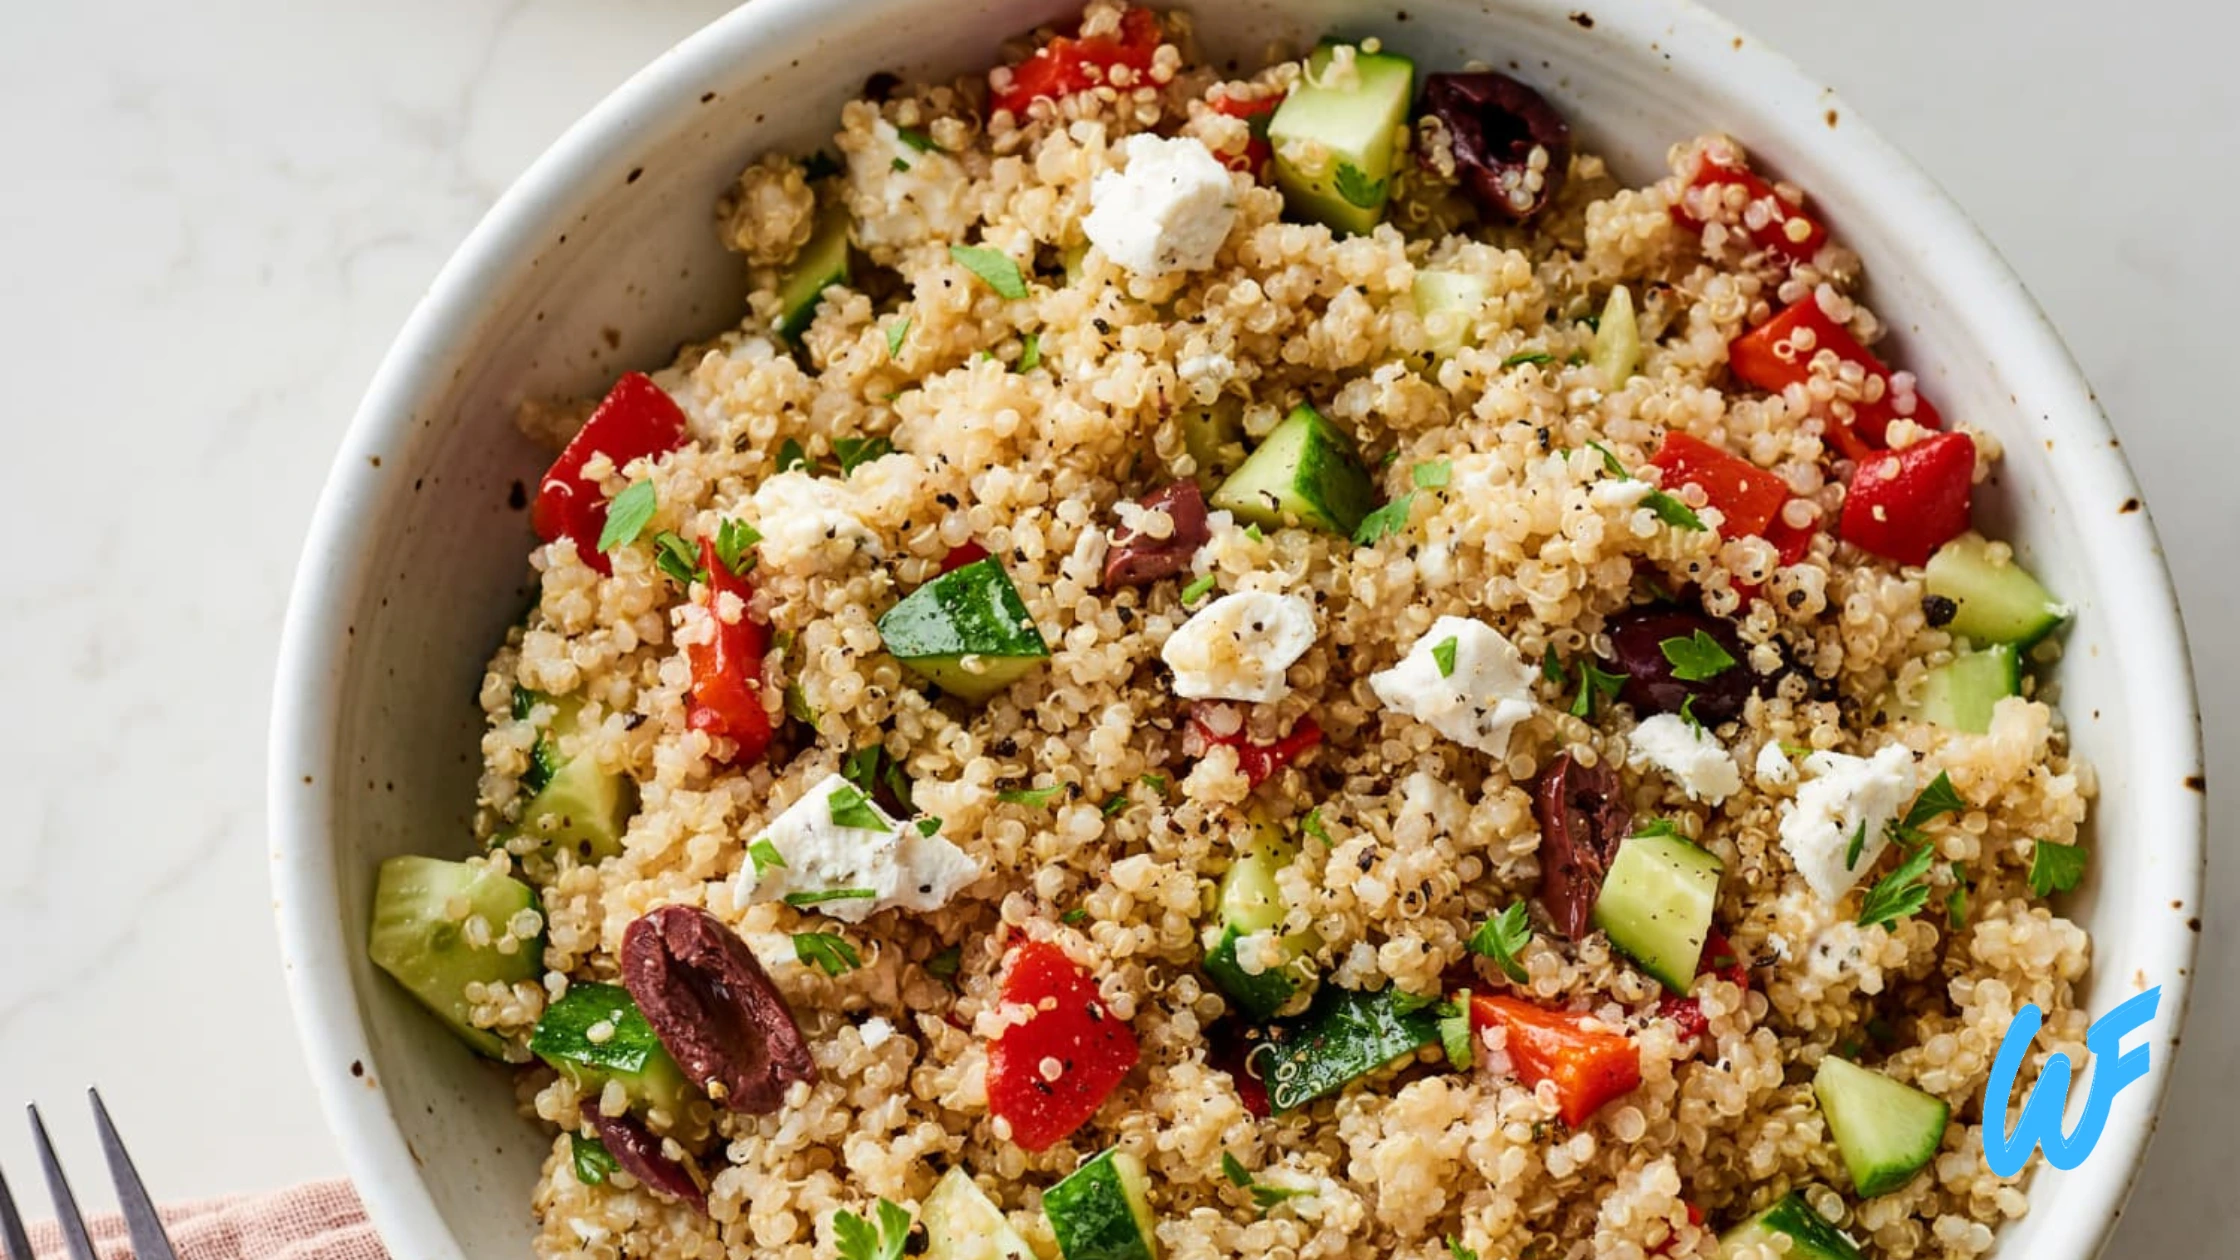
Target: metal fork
x=140 y=1220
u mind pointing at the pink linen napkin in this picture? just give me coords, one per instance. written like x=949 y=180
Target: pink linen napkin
x=318 y=1221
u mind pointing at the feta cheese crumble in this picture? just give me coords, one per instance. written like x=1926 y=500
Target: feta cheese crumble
x=868 y=852
x=1481 y=695
x=809 y=524
x=1688 y=753
x=1238 y=647
x=1842 y=795
x=1773 y=768
x=1168 y=211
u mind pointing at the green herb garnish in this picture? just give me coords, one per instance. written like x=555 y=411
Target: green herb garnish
x=1456 y=1251
x=1858 y=845
x=1673 y=512
x=1432 y=474
x=1312 y=825
x=851 y=807
x=1113 y=804
x=828 y=951
x=823 y=895
x=1156 y=782
x=897 y=335
x=1442 y=655
x=1036 y=798
x=853 y=453
x=993 y=266
x=2055 y=868
x=819 y=165
x=1594 y=684
x=915 y=138
x=1696 y=657
x=928 y=826
x=1659 y=827
x=897 y=164
x=1385 y=521
x=1935 y=801
x=1902 y=893
x=593 y=1161
x=1234 y=1171
x=858 y=1240
x=1197 y=588
x=1534 y=357
x=627 y=515
x=1502 y=938
x=1357 y=188
x=946 y=962
x=1030 y=353
x=765 y=856
x=1956 y=904
x=1075 y=916
x=677 y=559
x=791 y=456
x=735 y=543
x=1454 y=1032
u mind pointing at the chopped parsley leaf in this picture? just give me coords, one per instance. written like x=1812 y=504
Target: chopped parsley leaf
x=1659 y=827
x=993 y=266
x=1935 y=801
x=1385 y=521
x=1902 y=893
x=929 y=826
x=1502 y=937
x=915 y=138
x=1551 y=666
x=820 y=896
x=1253 y=532
x=852 y=808
x=1673 y=512
x=1037 y=798
x=628 y=513
x=1312 y=825
x=735 y=543
x=1075 y=916
x=1956 y=904
x=1030 y=353
x=853 y=453
x=1456 y=1251
x=676 y=558
x=1594 y=684
x=898 y=164
x=1857 y=846
x=592 y=1159
x=791 y=456
x=946 y=962
x=857 y=1239
x=897 y=335
x=1432 y=474
x=828 y=951
x=2055 y=868
x=1234 y=1171
x=1113 y=804
x=1156 y=782
x=1357 y=188
x=1197 y=588
x=1696 y=657
x=1688 y=715
x=1442 y=654
x=1454 y=1032
x=765 y=856
x=1534 y=357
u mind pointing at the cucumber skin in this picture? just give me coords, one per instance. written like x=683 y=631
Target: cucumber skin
x=972 y=610
x=1996 y=603
x=581 y=807
x=428 y=957
x=1098 y=1212
x=1317 y=198
x=1258 y=996
x=633 y=1056
x=1842 y=1088
x=1657 y=858
x=821 y=264
x=1810 y=1236
x=1311 y=471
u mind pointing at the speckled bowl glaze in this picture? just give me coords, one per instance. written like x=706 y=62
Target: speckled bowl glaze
x=602 y=258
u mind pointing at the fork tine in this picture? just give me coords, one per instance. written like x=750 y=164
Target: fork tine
x=140 y=1219
x=18 y=1245
x=73 y=1226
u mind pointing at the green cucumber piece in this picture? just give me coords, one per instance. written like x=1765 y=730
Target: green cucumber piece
x=1617 y=340
x=1458 y=296
x=414 y=939
x=1810 y=1236
x=1344 y=1036
x=1886 y=1130
x=1252 y=902
x=1103 y=1210
x=584 y=809
x=629 y=1053
x=967 y=631
x=544 y=755
x=962 y=1224
x=1997 y=603
x=1656 y=904
x=1962 y=692
x=1336 y=145
x=1214 y=435
x=821 y=264
x=1305 y=472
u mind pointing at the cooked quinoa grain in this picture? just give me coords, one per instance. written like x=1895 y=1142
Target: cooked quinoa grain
x=1520 y=476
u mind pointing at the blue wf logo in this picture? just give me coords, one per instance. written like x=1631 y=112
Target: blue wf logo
x=2113 y=1067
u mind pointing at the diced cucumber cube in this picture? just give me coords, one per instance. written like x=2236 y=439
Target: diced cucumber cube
x=1214 y=435
x=1103 y=1210
x=1886 y=1130
x=1996 y=602
x=1305 y=472
x=966 y=631
x=1252 y=902
x=624 y=1047
x=1656 y=905
x=583 y=809
x=1962 y=692
x=1338 y=138
x=961 y=1223
x=1809 y=1237
x=1617 y=340
x=1448 y=303
x=416 y=938
x=821 y=264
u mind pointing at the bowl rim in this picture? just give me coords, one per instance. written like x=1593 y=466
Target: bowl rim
x=313 y=646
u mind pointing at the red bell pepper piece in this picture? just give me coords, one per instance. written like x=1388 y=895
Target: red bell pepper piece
x=1749 y=497
x=1767 y=357
x=964 y=553
x=1790 y=546
x=1070 y=1029
x=1589 y=1065
x=1257 y=762
x=1229 y=1048
x=1068 y=64
x=1788 y=230
x=636 y=419
x=726 y=696
x=1906 y=504
x=1719 y=959
x=1257 y=150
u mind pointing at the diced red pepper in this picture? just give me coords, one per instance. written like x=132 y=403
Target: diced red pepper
x=1257 y=150
x=726 y=697
x=1790 y=546
x=964 y=553
x=636 y=419
x=1768 y=357
x=1749 y=497
x=1090 y=1048
x=1589 y=1065
x=1068 y=64
x=1229 y=1047
x=1906 y=504
x=1788 y=230
x=1719 y=959
x=1258 y=762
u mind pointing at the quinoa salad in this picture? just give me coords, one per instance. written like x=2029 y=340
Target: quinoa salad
x=1262 y=666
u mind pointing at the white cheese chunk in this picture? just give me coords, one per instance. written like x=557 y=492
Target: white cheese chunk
x=1690 y=754
x=1843 y=795
x=809 y=524
x=1238 y=647
x=869 y=852
x=899 y=194
x=875 y=1032
x=1168 y=211
x=1477 y=702
x=1774 y=770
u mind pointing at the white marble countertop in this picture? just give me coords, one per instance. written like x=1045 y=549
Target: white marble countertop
x=219 y=214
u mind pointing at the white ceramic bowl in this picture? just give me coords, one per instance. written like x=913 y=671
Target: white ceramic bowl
x=603 y=257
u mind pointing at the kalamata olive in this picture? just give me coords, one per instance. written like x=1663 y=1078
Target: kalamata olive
x=1653 y=685
x=1582 y=822
x=714 y=1009
x=635 y=1147
x=1139 y=559
x=1511 y=148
